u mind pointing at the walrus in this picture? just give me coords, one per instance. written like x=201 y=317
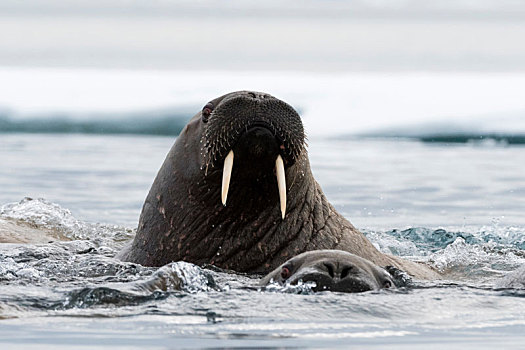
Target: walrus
x=236 y=191
x=331 y=270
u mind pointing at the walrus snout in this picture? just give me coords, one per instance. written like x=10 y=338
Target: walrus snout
x=257 y=144
x=331 y=270
x=337 y=276
x=240 y=112
x=255 y=132
x=256 y=154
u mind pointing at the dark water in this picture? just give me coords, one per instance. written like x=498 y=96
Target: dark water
x=146 y=123
x=457 y=207
x=163 y=123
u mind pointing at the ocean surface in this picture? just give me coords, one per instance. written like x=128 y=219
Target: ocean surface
x=425 y=174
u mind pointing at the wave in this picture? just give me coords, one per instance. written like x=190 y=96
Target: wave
x=489 y=130
x=476 y=138
x=466 y=138
x=169 y=123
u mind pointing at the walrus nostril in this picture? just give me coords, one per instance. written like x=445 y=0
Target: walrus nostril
x=330 y=269
x=346 y=271
x=258 y=142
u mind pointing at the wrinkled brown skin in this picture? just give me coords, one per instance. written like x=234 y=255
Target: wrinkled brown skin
x=183 y=217
x=333 y=270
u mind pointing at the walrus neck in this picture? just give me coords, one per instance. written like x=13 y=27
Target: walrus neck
x=196 y=227
x=234 y=232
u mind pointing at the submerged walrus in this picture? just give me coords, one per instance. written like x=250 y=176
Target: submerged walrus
x=236 y=191
x=331 y=270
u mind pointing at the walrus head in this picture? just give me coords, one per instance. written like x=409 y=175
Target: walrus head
x=256 y=132
x=331 y=270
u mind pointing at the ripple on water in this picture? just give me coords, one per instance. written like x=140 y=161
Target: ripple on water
x=81 y=277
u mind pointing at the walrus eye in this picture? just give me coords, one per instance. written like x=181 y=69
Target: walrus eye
x=206 y=111
x=285 y=272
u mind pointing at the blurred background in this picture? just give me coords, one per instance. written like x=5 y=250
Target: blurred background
x=377 y=67
x=396 y=96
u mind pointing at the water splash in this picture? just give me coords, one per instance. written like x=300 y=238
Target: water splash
x=82 y=276
x=44 y=214
x=10 y=271
x=479 y=256
x=168 y=279
x=480 y=262
x=514 y=279
x=183 y=276
x=418 y=241
x=299 y=288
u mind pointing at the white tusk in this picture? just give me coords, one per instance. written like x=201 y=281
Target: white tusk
x=281 y=183
x=226 y=175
